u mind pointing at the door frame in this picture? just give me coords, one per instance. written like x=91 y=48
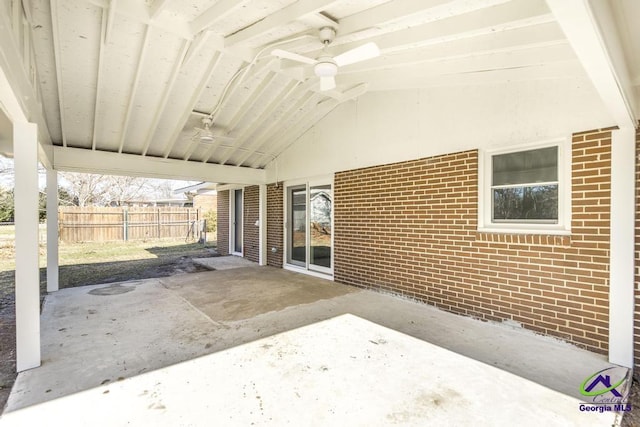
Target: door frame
x=323 y=272
x=233 y=221
x=288 y=235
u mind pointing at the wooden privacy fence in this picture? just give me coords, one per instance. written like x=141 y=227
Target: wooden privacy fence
x=97 y=224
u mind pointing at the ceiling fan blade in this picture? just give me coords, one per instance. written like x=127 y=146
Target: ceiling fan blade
x=284 y=54
x=327 y=83
x=360 y=53
x=210 y=138
x=224 y=138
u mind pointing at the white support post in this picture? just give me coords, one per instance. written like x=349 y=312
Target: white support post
x=621 y=274
x=262 y=215
x=52 y=230
x=27 y=282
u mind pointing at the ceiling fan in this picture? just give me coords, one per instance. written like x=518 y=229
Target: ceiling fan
x=205 y=133
x=326 y=66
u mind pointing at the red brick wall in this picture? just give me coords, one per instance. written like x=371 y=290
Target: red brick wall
x=275 y=200
x=223 y=222
x=411 y=228
x=251 y=214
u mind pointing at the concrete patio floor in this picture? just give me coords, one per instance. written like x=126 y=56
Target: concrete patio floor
x=190 y=347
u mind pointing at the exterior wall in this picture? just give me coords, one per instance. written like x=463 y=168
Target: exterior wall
x=223 y=222
x=411 y=228
x=395 y=126
x=251 y=214
x=205 y=202
x=275 y=212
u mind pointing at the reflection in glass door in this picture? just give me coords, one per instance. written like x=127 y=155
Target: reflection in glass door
x=309 y=227
x=320 y=205
x=297 y=220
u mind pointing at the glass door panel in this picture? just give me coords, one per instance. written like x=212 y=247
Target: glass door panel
x=320 y=211
x=309 y=226
x=297 y=230
x=237 y=222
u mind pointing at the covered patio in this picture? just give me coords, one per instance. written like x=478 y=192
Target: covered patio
x=146 y=346
x=394 y=111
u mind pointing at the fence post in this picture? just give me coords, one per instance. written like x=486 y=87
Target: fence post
x=158 y=210
x=61 y=224
x=125 y=225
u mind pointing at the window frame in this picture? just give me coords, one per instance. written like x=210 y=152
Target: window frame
x=485 y=202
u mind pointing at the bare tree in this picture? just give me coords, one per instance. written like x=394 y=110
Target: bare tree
x=111 y=190
x=123 y=189
x=84 y=188
x=6 y=166
x=161 y=188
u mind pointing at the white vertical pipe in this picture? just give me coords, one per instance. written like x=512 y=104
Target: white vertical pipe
x=232 y=222
x=621 y=274
x=52 y=230
x=262 y=216
x=25 y=148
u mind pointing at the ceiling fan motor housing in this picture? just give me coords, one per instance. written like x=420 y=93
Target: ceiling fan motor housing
x=206 y=122
x=325 y=67
x=327 y=35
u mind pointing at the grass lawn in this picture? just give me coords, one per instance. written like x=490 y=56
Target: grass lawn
x=100 y=262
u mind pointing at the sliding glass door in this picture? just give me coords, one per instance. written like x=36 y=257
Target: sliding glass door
x=310 y=226
x=297 y=229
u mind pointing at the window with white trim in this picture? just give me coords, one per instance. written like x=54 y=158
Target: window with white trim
x=525 y=190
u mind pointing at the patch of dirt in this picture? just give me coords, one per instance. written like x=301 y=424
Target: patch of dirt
x=8 y=347
x=632 y=418
x=80 y=275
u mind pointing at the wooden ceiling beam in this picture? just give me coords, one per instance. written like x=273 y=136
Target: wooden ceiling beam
x=177 y=66
x=284 y=16
x=246 y=106
x=266 y=139
x=283 y=137
x=55 y=31
x=286 y=137
x=109 y=163
x=134 y=87
x=157 y=7
x=267 y=114
x=543 y=35
x=507 y=16
x=195 y=96
x=101 y=47
x=591 y=31
x=217 y=12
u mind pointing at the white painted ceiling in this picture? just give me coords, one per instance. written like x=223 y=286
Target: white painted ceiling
x=137 y=76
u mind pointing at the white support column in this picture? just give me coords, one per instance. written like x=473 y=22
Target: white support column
x=621 y=274
x=25 y=148
x=263 y=225
x=52 y=230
